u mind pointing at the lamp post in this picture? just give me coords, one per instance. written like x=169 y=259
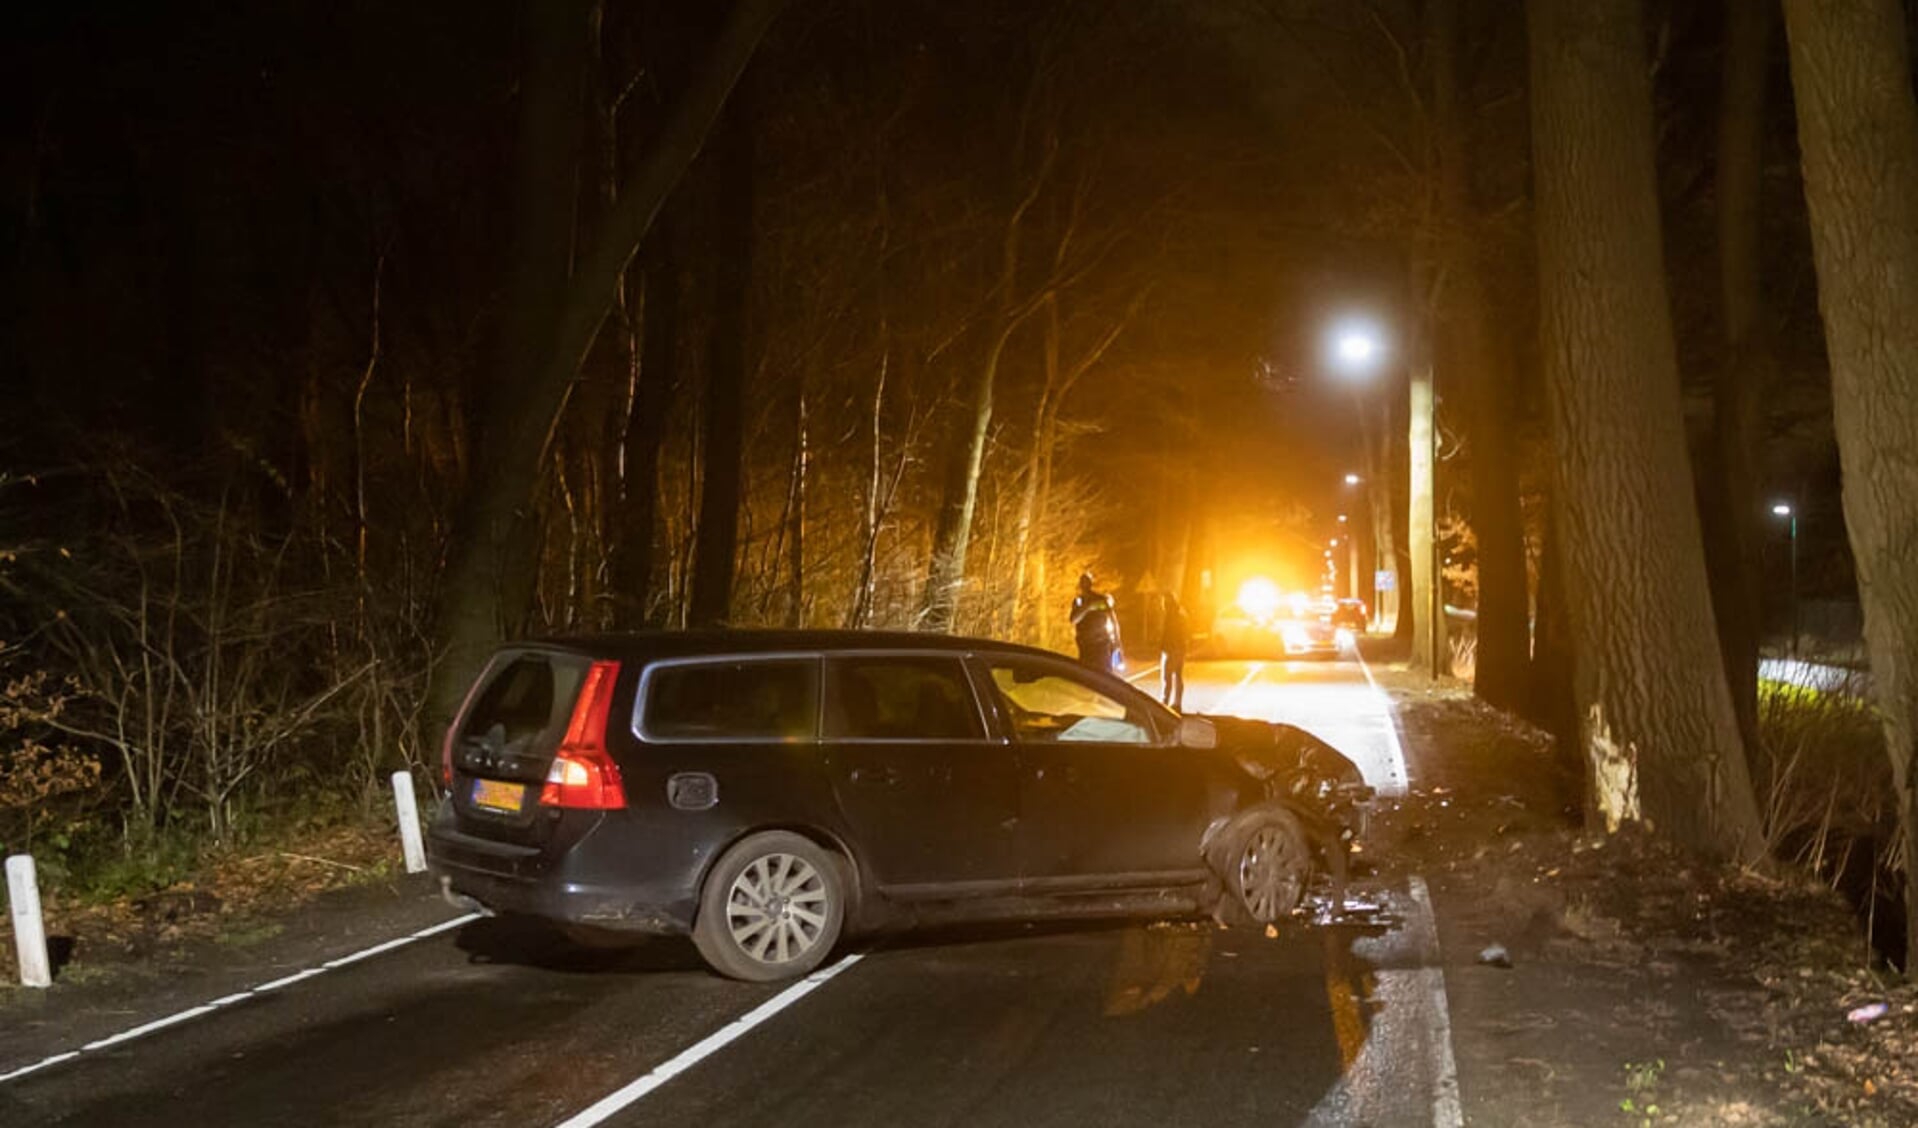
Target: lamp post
x=1790 y=514
x=1356 y=349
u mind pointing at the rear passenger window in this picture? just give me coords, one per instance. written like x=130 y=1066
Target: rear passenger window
x=900 y=699
x=747 y=700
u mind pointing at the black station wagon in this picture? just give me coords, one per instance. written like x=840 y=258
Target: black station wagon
x=764 y=792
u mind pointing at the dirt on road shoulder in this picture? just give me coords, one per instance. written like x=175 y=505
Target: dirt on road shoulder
x=1611 y=980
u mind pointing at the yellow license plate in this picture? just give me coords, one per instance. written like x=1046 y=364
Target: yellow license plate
x=498 y=795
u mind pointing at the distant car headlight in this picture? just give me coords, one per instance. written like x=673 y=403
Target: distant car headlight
x=1345 y=638
x=1295 y=635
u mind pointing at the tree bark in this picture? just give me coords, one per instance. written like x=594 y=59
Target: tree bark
x=1378 y=503
x=1483 y=376
x=724 y=408
x=1858 y=133
x=1656 y=723
x=1428 y=643
x=486 y=586
x=651 y=399
x=1733 y=534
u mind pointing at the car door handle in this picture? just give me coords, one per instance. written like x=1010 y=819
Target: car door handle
x=882 y=777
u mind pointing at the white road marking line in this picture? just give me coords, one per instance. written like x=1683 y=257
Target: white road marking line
x=218 y=1004
x=1219 y=705
x=1446 y=1112
x=288 y=981
x=1135 y=679
x=1394 y=739
x=699 y=1051
x=1412 y=1026
x=140 y=1031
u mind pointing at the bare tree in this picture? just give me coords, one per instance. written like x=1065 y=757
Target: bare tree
x=1858 y=132
x=489 y=568
x=1656 y=724
x=1733 y=537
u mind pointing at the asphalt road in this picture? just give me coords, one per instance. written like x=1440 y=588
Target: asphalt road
x=1149 y=1023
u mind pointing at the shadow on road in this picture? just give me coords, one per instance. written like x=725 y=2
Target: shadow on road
x=530 y=942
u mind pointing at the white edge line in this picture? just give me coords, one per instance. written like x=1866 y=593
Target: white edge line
x=1446 y=1111
x=226 y=1001
x=356 y=957
x=138 y=1031
x=1135 y=679
x=286 y=981
x=1397 y=738
x=56 y=1059
x=711 y=1044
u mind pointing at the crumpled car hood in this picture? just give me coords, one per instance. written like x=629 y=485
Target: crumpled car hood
x=1286 y=755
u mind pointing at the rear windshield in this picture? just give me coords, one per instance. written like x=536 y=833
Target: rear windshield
x=771 y=699
x=526 y=702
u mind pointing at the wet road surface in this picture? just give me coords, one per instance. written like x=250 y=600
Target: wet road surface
x=497 y=1022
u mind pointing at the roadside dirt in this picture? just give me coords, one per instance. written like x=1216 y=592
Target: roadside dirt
x=1610 y=980
x=239 y=899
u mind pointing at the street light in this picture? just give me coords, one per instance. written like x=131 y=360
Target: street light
x=1352 y=480
x=1785 y=510
x=1357 y=347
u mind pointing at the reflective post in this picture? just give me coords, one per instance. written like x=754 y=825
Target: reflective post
x=29 y=928
x=409 y=812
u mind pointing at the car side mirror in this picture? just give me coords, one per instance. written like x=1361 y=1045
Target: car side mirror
x=1197 y=732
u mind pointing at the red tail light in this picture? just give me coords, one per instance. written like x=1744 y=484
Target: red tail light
x=583 y=774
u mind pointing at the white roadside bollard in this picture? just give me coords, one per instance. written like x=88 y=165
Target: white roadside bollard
x=409 y=810
x=29 y=929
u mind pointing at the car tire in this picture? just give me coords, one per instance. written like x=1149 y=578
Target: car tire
x=771 y=908
x=1268 y=869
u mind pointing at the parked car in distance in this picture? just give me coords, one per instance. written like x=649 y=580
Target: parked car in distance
x=1351 y=615
x=765 y=792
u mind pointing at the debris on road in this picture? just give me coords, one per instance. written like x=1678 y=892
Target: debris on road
x=1870 y=1012
x=1495 y=955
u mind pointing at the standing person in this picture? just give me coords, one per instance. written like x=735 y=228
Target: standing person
x=1173 y=636
x=1095 y=626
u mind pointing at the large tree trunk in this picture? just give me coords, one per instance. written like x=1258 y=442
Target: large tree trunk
x=1656 y=724
x=1379 y=507
x=1428 y=615
x=651 y=399
x=1733 y=534
x=724 y=410
x=492 y=557
x=1503 y=633
x=1858 y=132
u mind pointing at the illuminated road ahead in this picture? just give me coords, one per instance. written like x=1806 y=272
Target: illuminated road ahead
x=1334 y=700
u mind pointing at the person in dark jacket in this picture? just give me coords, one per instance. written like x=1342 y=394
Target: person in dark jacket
x=1095 y=626
x=1173 y=636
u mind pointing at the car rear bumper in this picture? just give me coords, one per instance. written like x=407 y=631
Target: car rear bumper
x=574 y=888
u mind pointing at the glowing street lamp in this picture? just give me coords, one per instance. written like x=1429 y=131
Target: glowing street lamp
x=1352 y=480
x=1357 y=348
x=1785 y=510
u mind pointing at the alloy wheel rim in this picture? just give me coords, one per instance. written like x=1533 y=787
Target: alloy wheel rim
x=1268 y=874
x=777 y=907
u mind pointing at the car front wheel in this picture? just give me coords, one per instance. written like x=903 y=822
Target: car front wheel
x=1270 y=868
x=772 y=908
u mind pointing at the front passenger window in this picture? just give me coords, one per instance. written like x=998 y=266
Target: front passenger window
x=1047 y=706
